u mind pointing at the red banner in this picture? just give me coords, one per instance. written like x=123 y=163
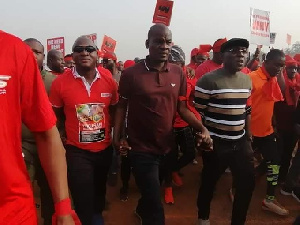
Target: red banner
x=108 y=44
x=163 y=12
x=57 y=44
x=93 y=37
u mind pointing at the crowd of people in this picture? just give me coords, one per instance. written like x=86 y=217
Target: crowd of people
x=239 y=110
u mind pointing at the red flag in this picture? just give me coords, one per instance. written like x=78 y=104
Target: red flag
x=108 y=44
x=163 y=12
x=289 y=39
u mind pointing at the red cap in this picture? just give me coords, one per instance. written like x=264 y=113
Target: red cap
x=289 y=61
x=194 y=52
x=297 y=57
x=217 y=45
x=110 y=55
x=205 y=48
x=128 y=63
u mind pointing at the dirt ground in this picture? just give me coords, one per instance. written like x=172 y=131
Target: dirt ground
x=184 y=211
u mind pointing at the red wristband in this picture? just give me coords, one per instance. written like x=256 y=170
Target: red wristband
x=63 y=207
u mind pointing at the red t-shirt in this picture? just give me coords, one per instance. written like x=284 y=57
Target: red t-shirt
x=22 y=98
x=179 y=122
x=86 y=107
x=206 y=67
x=192 y=65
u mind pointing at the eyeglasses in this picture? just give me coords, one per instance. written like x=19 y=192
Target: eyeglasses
x=80 y=49
x=236 y=50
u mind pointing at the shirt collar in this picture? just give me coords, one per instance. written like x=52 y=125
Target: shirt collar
x=166 y=67
x=76 y=74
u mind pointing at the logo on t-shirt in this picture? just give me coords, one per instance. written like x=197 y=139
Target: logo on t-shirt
x=91 y=122
x=3 y=83
x=106 y=95
x=173 y=85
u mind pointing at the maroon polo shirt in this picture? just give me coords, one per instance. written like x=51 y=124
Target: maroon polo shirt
x=152 y=104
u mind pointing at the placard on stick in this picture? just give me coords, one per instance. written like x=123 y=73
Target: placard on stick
x=57 y=44
x=163 y=12
x=108 y=44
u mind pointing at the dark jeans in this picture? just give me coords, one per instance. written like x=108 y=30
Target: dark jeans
x=238 y=156
x=287 y=142
x=87 y=175
x=185 y=140
x=125 y=170
x=293 y=176
x=145 y=169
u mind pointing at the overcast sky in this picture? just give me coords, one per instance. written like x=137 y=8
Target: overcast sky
x=193 y=22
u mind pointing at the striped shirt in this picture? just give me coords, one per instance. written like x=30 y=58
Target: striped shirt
x=223 y=100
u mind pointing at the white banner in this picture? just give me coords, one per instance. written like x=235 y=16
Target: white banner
x=272 y=38
x=259 y=27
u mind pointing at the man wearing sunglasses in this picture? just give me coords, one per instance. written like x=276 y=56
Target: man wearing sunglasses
x=222 y=97
x=83 y=100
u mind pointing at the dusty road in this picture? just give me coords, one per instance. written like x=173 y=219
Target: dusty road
x=184 y=211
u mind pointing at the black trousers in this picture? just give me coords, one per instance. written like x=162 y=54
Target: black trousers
x=145 y=167
x=286 y=144
x=185 y=140
x=238 y=156
x=87 y=176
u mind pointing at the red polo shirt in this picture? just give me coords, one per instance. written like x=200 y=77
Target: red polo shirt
x=22 y=98
x=86 y=107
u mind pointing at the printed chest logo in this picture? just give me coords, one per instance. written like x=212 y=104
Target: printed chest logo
x=173 y=85
x=3 y=83
x=106 y=95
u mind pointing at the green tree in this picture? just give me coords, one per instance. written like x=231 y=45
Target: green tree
x=295 y=49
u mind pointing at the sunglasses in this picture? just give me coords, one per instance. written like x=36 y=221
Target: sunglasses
x=80 y=49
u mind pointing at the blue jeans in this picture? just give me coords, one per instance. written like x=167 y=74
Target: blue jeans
x=145 y=168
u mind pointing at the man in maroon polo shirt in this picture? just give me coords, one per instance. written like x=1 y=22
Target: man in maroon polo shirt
x=153 y=91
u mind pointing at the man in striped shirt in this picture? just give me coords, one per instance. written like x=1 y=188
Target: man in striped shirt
x=223 y=97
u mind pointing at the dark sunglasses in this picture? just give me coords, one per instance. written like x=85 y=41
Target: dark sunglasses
x=80 y=49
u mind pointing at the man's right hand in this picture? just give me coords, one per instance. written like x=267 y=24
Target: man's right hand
x=123 y=146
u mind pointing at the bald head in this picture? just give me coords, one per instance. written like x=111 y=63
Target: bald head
x=38 y=50
x=159 y=42
x=55 y=61
x=158 y=28
x=84 y=41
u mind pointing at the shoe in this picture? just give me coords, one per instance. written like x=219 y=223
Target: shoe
x=203 y=222
x=138 y=216
x=177 y=179
x=195 y=162
x=124 y=194
x=169 y=199
x=231 y=195
x=286 y=191
x=296 y=194
x=274 y=206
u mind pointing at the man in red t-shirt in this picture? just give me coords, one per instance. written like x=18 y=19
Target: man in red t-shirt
x=23 y=98
x=215 y=63
x=85 y=97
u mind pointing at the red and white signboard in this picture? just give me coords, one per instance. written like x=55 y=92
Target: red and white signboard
x=288 y=39
x=259 y=27
x=57 y=44
x=163 y=12
x=108 y=44
x=93 y=37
